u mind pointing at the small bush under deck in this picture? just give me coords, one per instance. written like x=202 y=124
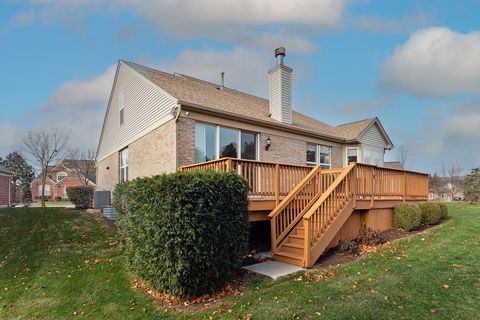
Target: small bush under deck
x=311 y=209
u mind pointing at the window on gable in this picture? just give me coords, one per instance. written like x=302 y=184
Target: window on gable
x=121 y=106
x=124 y=165
x=61 y=176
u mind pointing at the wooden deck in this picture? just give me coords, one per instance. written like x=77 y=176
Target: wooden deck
x=311 y=209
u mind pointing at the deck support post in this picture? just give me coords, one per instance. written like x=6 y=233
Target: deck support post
x=404 y=187
x=306 y=243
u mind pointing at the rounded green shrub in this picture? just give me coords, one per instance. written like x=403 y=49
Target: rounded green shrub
x=443 y=210
x=81 y=196
x=184 y=233
x=430 y=212
x=407 y=216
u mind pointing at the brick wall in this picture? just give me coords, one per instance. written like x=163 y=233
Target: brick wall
x=4 y=190
x=153 y=153
x=185 y=141
x=108 y=178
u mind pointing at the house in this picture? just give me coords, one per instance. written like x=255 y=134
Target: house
x=60 y=177
x=5 y=187
x=158 y=122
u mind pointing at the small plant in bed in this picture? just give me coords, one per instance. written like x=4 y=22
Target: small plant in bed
x=368 y=236
x=349 y=247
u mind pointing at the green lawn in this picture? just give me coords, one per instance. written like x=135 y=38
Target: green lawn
x=57 y=264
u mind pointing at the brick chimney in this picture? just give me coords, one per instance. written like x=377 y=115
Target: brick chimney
x=281 y=89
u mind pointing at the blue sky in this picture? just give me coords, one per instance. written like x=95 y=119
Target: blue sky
x=414 y=64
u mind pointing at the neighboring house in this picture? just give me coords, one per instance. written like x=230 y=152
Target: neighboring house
x=58 y=179
x=444 y=194
x=156 y=122
x=5 y=187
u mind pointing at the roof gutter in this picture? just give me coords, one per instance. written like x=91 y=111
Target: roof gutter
x=228 y=115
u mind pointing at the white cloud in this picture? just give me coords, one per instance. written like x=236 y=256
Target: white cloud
x=23 y=19
x=445 y=134
x=361 y=107
x=404 y=24
x=77 y=107
x=434 y=62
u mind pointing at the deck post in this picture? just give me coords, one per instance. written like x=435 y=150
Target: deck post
x=276 y=183
x=404 y=186
x=354 y=187
x=229 y=165
x=306 y=243
x=373 y=187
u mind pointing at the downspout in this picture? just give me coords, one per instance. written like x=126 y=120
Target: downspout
x=9 y=191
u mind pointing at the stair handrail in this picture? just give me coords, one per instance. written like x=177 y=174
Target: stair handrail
x=329 y=191
x=298 y=188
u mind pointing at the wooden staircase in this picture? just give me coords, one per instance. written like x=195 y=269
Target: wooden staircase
x=302 y=231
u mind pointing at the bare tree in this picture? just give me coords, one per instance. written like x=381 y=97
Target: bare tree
x=83 y=163
x=402 y=156
x=46 y=147
x=452 y=178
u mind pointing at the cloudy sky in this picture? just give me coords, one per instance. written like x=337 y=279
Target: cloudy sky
x=414 y=64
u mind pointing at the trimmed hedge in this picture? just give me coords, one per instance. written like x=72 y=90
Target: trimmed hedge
x=184 y=233
x=443 y=210
x=81 y=196
x=431 y=212
x=407 y=216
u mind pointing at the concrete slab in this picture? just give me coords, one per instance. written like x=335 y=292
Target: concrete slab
x=273 y=269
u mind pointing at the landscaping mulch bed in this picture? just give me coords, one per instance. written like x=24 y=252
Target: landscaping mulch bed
x=333 y=257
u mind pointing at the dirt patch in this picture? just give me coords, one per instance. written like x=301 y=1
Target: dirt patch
x=233 y=288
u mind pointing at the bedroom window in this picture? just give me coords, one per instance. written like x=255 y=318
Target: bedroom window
x=319 y=155
x=215 y=142
x=121 y=106
x=124 y=165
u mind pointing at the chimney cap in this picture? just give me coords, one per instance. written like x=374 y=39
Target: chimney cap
x=280 y=52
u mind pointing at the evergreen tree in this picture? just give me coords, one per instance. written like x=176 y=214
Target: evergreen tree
x=472 y=186
x=23 y=173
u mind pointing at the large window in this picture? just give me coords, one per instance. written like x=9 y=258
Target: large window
x=373 y=157
x=124 y=165
x=318 y=155
x=205 y=142
x=352 y=155
x=214 y=142
x=121 y=106
x=228 y=143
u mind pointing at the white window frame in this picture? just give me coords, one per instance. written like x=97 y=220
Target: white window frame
x=123 y=167
x=61 y=173
x=346 y=154
x=317 y=155
x=48 y=190
x=239 y=140
x=64 y=193
x=121 y=107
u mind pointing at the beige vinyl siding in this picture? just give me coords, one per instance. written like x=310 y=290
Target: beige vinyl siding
x=373 y=137
x=146 y=107
x=373 y=140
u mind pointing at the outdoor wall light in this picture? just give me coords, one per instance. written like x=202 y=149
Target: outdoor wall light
x=269 y=143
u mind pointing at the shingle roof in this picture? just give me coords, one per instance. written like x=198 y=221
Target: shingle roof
x=393 y=165
x=5 y=170
x=198 y=92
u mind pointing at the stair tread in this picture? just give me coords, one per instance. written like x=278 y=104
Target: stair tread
x=297 y=236
x=289 y=255
x=293 y=245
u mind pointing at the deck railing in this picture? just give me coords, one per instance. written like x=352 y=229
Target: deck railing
x=265 y=179
x=356 y=182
